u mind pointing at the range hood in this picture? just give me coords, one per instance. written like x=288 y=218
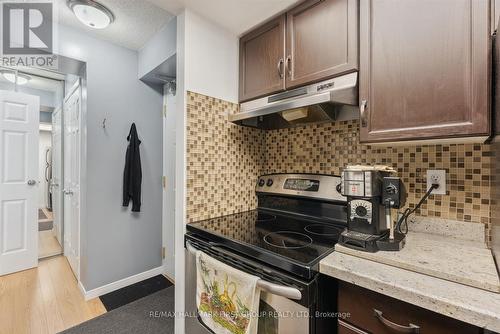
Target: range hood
x=330 y=100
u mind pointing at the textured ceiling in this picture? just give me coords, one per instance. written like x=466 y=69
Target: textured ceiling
x=237 y=16
x=135 y=21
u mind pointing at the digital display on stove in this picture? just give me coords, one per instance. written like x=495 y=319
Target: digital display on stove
x=301 y=184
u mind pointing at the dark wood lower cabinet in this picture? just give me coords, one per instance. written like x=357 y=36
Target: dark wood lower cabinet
x=346 y=328
x=371 y=312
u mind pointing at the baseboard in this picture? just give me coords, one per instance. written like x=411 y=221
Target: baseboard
x=169 y=277
x=94 y=293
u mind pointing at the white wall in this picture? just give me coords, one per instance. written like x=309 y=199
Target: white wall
x=116 y=243
x=207 y=63
x=44 y=143
x=48 y=99
x=211 y=58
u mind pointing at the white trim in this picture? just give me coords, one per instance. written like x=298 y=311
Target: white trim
x=180 y=174
x=94 y=293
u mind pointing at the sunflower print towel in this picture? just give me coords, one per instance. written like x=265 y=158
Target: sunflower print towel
x=227 y=298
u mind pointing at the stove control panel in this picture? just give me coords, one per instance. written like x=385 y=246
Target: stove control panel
x=325 y=187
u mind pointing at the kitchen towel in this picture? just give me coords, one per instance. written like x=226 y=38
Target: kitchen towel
x=227 y=298
x=132 y=176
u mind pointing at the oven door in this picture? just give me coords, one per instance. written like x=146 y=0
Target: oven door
x=279 y=315
x=281 y=310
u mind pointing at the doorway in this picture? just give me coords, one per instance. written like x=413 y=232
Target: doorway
x=40 y=118
x=48 y=88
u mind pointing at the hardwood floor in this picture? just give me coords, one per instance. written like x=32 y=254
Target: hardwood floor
x=44 y=300
x=48 y=244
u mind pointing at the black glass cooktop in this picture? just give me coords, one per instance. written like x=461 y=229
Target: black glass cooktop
x=263 y=234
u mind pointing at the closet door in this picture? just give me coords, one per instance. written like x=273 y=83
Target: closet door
x=56 y=182
x=72 y=109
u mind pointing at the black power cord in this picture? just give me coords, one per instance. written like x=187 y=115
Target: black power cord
x=408 y=212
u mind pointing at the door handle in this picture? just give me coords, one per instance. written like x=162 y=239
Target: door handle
x=411 y=329
x=289 y=65
x=362 y=113
x=280 y=67
x=31 y=182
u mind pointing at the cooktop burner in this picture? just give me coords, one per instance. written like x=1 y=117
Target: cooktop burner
x=288 y=240
x=324 y=230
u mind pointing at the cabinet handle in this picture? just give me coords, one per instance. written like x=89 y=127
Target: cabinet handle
x=289 y=65
x=411 y=329
x=280 y=68
x=362 y=113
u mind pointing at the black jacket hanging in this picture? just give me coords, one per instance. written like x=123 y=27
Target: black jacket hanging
x=132 y=176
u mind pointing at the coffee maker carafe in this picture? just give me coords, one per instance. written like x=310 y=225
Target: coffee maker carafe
x=372 y=192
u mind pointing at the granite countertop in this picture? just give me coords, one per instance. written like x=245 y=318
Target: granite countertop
x=445 y=268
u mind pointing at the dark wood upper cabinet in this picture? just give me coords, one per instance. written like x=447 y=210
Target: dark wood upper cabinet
x=262 y=56
x=424 y=69
x=322 y=40
x=314 y=41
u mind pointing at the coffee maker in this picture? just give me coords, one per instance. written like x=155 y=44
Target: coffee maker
x=372 y=193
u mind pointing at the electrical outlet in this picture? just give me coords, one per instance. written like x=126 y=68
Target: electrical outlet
x=439 y=177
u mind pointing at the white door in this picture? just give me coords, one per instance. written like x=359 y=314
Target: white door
x=19 y=135
x=71 y=190
x=56 y=182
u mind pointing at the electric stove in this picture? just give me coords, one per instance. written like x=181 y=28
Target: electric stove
x=297 y=223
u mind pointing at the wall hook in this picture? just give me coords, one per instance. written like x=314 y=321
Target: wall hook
x=104 y=123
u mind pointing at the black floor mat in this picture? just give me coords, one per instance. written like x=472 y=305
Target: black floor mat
x=135 y=317
x=133 y=292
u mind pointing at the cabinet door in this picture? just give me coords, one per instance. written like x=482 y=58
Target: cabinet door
x=262 y=54
x=424 y=69
x=322 y=40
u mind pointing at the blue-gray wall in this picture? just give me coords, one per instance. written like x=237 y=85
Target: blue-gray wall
x=159 y=48
x=116 y=243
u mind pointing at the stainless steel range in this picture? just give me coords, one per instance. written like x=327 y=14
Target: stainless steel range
x=297 y=223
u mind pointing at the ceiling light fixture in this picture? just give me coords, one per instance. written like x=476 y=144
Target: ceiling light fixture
x=91 y=13
x=22 y=79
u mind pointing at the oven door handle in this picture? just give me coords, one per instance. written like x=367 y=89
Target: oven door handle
x=280 y=290
x=275 y=289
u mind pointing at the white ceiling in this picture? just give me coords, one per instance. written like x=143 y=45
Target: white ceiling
x=136 y=21
x=237 y=16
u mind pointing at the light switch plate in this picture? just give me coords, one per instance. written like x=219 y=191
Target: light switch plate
x=437 y=176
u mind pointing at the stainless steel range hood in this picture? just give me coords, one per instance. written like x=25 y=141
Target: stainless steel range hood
x=330 y=100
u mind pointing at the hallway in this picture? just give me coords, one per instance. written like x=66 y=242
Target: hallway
x=44 y=300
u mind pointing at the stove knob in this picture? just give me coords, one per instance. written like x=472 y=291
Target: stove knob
x=261 y=182
x=269 y=182
x=361 y=211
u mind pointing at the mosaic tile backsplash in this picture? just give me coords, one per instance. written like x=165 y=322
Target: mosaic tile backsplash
x=224 y=161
